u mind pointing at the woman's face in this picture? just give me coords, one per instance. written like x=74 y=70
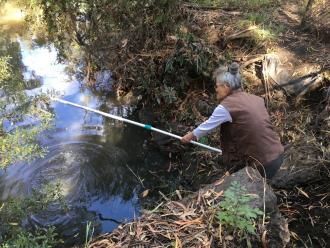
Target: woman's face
x=222 y=90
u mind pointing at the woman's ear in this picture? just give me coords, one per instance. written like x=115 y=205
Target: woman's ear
x=228 y=89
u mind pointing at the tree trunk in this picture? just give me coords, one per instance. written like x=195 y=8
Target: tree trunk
x=307 y=12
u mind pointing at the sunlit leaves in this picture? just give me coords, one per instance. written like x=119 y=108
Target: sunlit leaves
x=4 y=68
x=19 y=142
x=19 y=146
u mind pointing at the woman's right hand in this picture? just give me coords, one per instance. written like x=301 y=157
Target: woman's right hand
x=188 y=137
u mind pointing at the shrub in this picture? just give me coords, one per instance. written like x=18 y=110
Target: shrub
x=235 y=212
x=40 y=239
x=13 y=212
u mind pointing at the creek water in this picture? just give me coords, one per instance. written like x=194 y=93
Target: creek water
x=90 y=157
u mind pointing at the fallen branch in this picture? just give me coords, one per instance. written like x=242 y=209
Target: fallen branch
x=251 y=61
x=241 y=34
x=315 y=83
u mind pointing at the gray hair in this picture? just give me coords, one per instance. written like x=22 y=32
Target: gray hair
x=229 y=75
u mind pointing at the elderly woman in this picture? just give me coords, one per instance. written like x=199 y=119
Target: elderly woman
x=246 y=133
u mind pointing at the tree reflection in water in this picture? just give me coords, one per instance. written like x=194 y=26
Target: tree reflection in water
x=90 y=156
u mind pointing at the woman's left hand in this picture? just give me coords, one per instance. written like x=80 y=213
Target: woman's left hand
x=188 y=137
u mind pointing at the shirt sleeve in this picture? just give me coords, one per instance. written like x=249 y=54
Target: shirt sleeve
x=220 y=115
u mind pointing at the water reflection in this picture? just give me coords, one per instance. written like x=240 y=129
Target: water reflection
x=88 y=154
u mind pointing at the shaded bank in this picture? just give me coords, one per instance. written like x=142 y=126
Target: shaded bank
x=193 y=221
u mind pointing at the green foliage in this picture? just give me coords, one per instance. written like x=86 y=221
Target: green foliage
x=14 y=210
x=11 y=67
x=20 y=144
x=190 y=62
x=237 y=4
x=206 y=2
x=247 y=4
x=204 y=140
x=264 y=31
x=93 y=24
x=137 y=26
x=4 y=68
x=257 y=17
x=168 y=94
x=40 y=239
x=262 y=35
x=194 y=55
x=263 y=19
x=235 y=211
x=15 y=107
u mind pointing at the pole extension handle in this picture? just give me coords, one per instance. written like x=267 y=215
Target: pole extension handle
x=146 y=126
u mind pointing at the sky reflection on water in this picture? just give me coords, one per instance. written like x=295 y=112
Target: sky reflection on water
x=88 y=154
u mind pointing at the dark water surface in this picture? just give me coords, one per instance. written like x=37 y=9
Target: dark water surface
x=88 y=155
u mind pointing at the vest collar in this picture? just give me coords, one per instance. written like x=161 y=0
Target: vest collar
x=233 y=93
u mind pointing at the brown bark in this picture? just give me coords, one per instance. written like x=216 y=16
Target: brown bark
x=307 y=12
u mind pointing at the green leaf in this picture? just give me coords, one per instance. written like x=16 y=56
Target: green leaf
x=235 y=211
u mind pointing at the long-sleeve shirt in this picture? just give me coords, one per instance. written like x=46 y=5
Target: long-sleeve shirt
x=220 y=115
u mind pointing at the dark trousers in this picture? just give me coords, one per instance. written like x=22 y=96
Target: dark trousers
x=271 y=168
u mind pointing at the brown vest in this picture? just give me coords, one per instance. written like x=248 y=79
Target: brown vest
x=250 y=135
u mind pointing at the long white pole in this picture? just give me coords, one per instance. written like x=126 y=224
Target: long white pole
x=146 y=126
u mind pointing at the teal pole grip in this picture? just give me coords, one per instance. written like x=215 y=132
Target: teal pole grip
x=148 y=127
